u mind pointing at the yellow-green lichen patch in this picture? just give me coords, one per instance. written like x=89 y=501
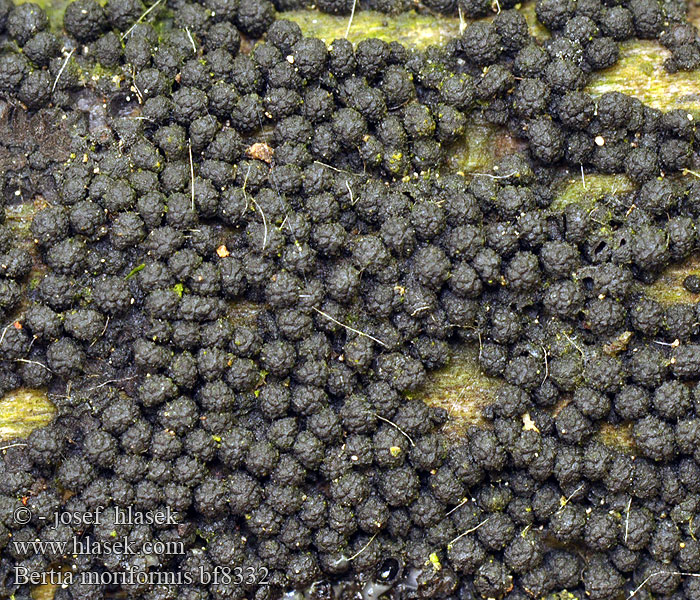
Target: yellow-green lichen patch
x=479 y=148
x=562 y=595
x=18 y=217
x=587 y=189
x=618 y=437
x=44 y=592
x=22 y=411
x=110 y=78
x=640 y=73
x=668 y=288
x=243 y=312
x=694 y=12
x=537 y=30
x=462 y=389
x=409 y=28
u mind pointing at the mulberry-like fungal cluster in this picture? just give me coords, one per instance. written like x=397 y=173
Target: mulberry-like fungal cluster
x=305 y=183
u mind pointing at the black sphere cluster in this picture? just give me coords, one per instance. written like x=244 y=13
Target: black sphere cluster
x=252 y=259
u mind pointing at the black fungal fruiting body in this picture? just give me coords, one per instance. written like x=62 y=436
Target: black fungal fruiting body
x=307 y=182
